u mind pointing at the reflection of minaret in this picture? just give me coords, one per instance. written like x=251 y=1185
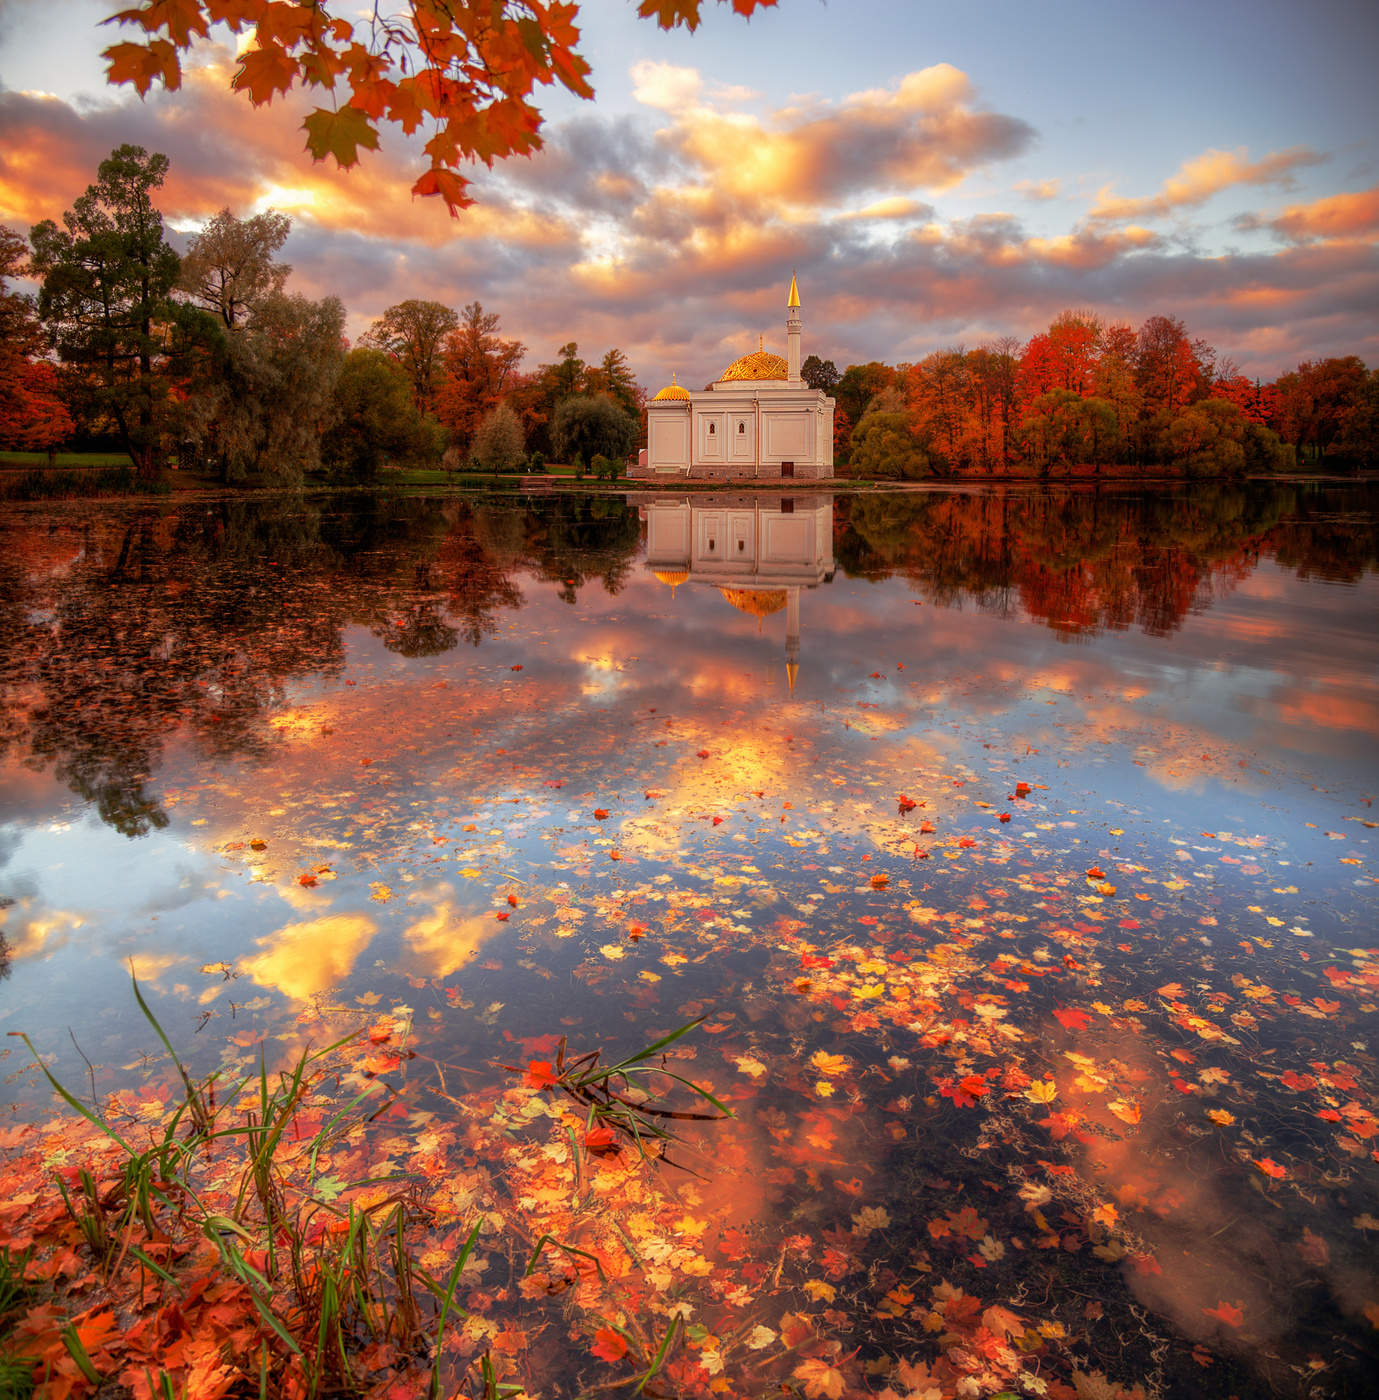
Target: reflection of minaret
x=792 y=333
x=792 y=635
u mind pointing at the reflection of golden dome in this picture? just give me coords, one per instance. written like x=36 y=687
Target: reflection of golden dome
x=673 y=576
x=760 y=364
x=760 y=602
x=673 y=391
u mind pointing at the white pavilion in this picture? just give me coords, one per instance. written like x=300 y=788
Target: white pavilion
x=758 y=419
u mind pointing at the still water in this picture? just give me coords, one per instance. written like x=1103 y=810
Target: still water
x=1018 y=848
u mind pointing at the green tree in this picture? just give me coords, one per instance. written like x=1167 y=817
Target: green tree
x=499 y=445
x=820 y=374
x=413 y=332
x=1062 y=428
x=270 y=396
x=229 y=268
x=374 y=417
x=885 y=448
x=106 y=277
x=614 y=377
x=587 y=425
x=860 y=384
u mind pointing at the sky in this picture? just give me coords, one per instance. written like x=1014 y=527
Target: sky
x=935 y=175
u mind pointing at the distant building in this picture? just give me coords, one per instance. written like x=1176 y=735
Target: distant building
x=757 y=551
x=759 y=419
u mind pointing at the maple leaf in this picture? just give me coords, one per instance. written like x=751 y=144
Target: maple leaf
x=600 y=814
x=450 y=186
x=609 y=1345
x=140 y=64
x=1270 y=1168
x=1073 y=1019
x=819 y=1378
x=1232 y=1314
x=339 y=134
x=263 y=72
x=541 y=1074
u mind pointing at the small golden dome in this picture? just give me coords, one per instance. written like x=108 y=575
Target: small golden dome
x=673 y=391
x=760 y=364
x=673 y=576
x=759 y=602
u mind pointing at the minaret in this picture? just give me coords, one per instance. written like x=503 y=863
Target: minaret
x=792 y=332
x=792 y=636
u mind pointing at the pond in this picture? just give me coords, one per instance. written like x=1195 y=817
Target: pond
x=1016 y=848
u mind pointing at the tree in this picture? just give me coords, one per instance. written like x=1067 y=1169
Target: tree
x=1170 y=369
x=587 y=425
x=228 y=267
x=472 y=68
x=884 y=446
x=499 y=445
x=860 y=384
x=820 y=374
x=1063 y=428
x=412 y=332
x=479 y=368
x=106 y=278
x=374 y=416
x=32 y=414
x=271 y=395
x=614 y=377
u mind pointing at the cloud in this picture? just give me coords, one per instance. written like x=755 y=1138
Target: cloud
x=664 y=86
x=1038 y=189
x=924 y=133
x=1198 y=179
x=1354 y=214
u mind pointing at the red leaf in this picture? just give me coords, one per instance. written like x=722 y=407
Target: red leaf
x=600 y=814
x=1232 y=1314
x=609 y=1345
x=1073 y=1019
x=540 y=1074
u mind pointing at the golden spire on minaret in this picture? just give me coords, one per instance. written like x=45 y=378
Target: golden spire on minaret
x=794 y=293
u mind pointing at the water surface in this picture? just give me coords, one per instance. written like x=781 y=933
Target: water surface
x=1018 y=847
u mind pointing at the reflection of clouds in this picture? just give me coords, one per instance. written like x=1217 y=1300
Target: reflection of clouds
x=303 y=960
x=148 y=967
x=39 y=936
x=445 y=939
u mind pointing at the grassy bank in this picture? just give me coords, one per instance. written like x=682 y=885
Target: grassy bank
x=257 y=1237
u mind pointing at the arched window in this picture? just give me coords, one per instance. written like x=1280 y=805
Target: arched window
x=712 y=429
x=741 y=429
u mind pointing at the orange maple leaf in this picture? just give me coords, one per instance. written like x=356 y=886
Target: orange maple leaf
x=541 y=1074
x=609 y=1345
x=1232 y=1314
x=1270 y=1168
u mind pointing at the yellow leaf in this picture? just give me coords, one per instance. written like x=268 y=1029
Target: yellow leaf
x=820 y=1379
x=820 y=1291
x=828 y=1064
x=1042 y=1091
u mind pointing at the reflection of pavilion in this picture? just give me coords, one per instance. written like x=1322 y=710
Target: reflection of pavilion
x=758 y=551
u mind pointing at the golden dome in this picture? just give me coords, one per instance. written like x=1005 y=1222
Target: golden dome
x=673 y=576
x=673 y=391
x=760 y=364
x=759 y=602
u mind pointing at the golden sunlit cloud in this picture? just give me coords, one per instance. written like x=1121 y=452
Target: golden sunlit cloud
x=445 y=939
x=303 y=960
x=1198 y=179
x=1354 y=214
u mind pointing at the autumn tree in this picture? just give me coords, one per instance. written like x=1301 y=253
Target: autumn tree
x=229 y=266
x=1064 y=429
x=1170 y=369
x=33 y=416
x=1313 y=403
x=465 y=73
x=413 y=332
x=106 y=278
x=478 y=370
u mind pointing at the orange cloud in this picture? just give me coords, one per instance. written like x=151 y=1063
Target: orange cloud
x=1354 y=214
x=923 y=133
x=1198 y=179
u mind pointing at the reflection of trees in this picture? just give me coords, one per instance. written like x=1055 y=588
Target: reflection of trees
x=1084 y=561
x=127 y=628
